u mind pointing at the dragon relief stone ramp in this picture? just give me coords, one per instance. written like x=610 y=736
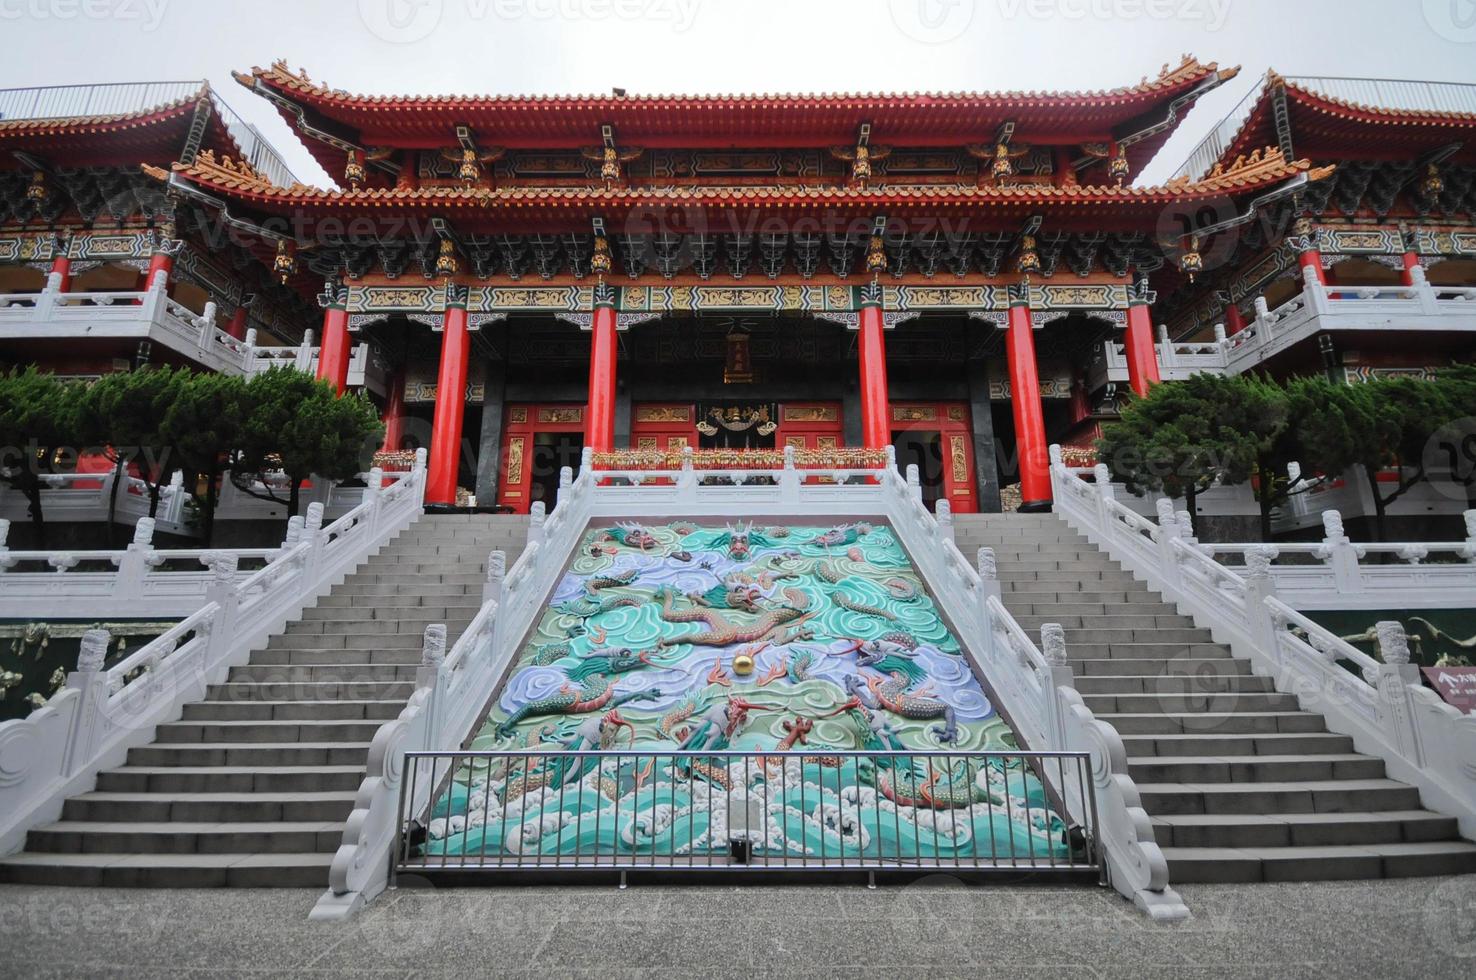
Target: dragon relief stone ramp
x=252 y=786
x=1241 y=783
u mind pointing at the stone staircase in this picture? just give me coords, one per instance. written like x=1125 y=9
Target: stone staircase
x=251 y=787
x=1241 y=783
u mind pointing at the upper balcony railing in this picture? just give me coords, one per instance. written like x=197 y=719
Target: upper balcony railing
x=151 y=314
x=1387 y=93
x=121 y=98
x=1418 y=307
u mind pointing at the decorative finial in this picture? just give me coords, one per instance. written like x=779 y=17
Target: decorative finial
x=433 y=645
x=1053 y=644
x=1393 y=641
x=93 y=651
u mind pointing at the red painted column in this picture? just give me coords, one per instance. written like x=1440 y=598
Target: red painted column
x=1312 y=259
x=333 y=355
x=1142 y=356
x=599 y=415
x=394 y=412
x=445 y=448
x=876 y=409
x=1030 y=438
x=236 y=327
x=1411 y=261
x=159 y=262
x=1234 y=322
x=62 y=266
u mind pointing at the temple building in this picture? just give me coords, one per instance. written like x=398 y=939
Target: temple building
x=966 y=277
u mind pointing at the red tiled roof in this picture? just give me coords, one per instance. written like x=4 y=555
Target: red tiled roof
x=759 y=120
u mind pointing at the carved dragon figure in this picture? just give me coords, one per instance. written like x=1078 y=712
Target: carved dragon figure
x=891 y=692
x=596 y=694
x=720 y=632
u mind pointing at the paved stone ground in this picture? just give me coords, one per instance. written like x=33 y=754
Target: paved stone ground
x=1413 y=928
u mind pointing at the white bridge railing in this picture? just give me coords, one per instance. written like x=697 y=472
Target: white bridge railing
x=1380 y=704
x=91 y=723
x=1033 y=689
x=142 y=580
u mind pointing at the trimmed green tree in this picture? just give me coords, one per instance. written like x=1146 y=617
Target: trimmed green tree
x=124 y=413
x=1184 y=437
x=202 y=424
x=37 y=417
x=303 y=428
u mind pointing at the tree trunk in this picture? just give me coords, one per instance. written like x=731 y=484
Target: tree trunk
x=207 y=510
x=1372 y=475
x=294 y=497
x=1189 y=497
x=118 y=474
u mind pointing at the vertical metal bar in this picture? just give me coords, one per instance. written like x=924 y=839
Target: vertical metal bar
x=953 y=810
x=1010 y=815
x=896 y=816
x=559 y=831
x=486 y=805
x=932 y=817
x=1025 y=795
x=615 y=851
x=450 y=797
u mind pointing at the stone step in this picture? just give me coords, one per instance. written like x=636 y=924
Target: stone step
x=1168 y=653
x=382 y=585
x=210 y=807
x=1088 y=579
x=1179 y=745
x=268 y=712
x=1215 y=722
x=1182 y=627
x=1357 y=861
x=169 y=837
x=168 y=870
x=403 y=626
x=254 y=731
x=1189 y=701
x=1015 y=592
x=1300 y=796
x=297 y=673
x=231 y=779
x=1189 y=682
x=1166 y=634
x=1111 y=610
x=1126 y=666
x=1255 y=769
x=345 y=641
x=391 y=690
x=374 y=609
x=251 y=754
x=1302 y=829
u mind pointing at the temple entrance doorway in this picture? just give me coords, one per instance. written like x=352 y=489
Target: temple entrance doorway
x=937 y=438
x=538 y=440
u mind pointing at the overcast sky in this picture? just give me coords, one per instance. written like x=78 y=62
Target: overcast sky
x=699 y=46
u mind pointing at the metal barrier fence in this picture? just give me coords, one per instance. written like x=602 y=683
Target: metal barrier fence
x=678 y=811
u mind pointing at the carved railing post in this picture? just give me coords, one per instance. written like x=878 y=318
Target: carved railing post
x=496 y=574
x=432 y=658
x=943 y=515
x=1397 y=676
x=789 y=478
x=1424 y=293
x=914 y=484
x=536 y=519
x=988 y=569
x=1340 y=554
x=687 y=476
x=222 y=591
x=312 y=533
x=304 y=360
x=1468 y=552
x=566 y=481
x=133 y=567
x=374 y=496
x=1053 y=648
x=90 y=680
x=5 y=563
x=1259 y=586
